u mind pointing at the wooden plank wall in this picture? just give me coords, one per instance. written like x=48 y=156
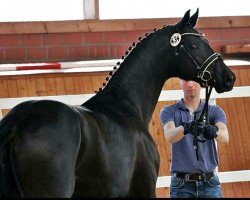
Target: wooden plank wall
x=232 y=156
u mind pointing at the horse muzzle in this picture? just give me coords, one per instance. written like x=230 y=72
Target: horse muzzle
x=229 y=81
x=225 y=83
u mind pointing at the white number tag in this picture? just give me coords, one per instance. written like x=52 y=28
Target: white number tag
x=175 y=39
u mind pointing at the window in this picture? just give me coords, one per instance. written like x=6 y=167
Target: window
x=127 y=9
x=40 y=10
x=53 y=10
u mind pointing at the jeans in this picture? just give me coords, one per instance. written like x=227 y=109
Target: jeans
x=179 y=188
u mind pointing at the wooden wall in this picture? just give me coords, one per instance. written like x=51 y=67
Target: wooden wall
x=232 y=156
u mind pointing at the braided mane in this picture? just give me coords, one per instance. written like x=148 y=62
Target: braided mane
x=117 y=69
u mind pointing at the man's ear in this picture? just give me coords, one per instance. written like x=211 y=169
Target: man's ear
x=181 y=83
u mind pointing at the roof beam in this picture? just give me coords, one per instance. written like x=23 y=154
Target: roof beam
x=96 y=25
x=91 y=9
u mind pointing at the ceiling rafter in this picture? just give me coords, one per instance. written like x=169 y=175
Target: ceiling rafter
x=95 y=25
x=91 y=9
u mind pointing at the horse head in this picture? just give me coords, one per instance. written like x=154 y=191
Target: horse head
x=198 y=61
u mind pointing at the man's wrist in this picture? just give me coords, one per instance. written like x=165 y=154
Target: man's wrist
x=184 y=125
x=215 y=133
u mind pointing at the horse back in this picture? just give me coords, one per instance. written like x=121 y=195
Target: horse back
x=44 y=120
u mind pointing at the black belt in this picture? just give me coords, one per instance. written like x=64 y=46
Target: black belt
x=194 y=177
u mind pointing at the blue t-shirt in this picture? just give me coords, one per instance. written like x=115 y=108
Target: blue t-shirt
x=183 y=153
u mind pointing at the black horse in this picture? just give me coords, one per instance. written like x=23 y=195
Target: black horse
x=103 y=148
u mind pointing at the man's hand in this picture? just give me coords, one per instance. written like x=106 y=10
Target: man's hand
x=189 y=127
x=210 y=132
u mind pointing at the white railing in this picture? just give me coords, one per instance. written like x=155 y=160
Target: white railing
x=225 y=177
x=166 y=95
x=78 y=66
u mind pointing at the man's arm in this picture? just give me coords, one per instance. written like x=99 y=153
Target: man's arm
x=173 y=134
x=222 y=133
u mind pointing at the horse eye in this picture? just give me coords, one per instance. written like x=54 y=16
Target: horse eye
x=193 y=46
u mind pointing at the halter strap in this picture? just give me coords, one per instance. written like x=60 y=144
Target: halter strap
x=203 y=118
x=203 y=70
x=195 y=34
x=204 y=115
x=203 y=74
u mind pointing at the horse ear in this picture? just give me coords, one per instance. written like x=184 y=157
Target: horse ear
x=194 y=17
x=185 y=19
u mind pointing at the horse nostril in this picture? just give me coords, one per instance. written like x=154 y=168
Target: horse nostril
x=229 y=79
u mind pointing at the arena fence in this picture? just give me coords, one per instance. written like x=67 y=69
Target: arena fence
x=107 y=65
x=166 y=95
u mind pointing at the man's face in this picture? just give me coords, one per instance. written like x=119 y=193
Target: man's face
x=190 y=88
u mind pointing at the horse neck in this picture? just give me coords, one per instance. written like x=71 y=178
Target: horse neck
x=138 y=82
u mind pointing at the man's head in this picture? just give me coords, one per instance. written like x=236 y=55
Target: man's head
x=191 y=89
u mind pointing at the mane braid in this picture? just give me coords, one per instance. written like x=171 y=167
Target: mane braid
x=116 y=68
